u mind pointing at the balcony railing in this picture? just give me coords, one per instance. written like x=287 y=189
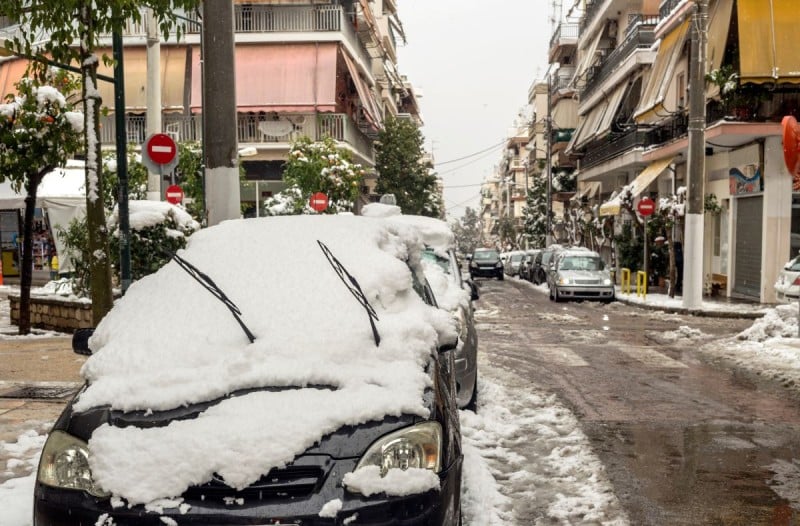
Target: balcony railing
x=250 y=129
x=592 y=8
x=562 y=79
x=564 y=30
x=640 y=37
x=666 y=8
x=604 y=149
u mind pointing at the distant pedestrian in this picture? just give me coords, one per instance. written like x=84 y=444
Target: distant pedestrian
x=53 y=265
x=679 y=267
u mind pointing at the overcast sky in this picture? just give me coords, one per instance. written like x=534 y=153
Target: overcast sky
x=474 y=62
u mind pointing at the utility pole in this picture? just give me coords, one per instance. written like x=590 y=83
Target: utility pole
x=122 y=164
x=153 y=124
x=219 y=122
x=549 y=161
x=693 y=246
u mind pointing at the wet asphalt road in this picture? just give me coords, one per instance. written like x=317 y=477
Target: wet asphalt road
x=684 y=442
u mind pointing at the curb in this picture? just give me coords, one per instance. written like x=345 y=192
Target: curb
x=694 y=312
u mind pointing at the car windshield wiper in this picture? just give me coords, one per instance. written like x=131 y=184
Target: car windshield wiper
x=213 y=288
x=355 y=289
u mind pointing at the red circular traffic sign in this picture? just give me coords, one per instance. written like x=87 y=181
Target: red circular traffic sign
x=161 y=149
x=318 y=201
x=175 y=194
x=646 y=206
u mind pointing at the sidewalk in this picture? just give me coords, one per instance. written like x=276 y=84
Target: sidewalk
x=712 y=306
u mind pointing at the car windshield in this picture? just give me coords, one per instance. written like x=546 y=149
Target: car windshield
x=485 y=254
x=516 y=257
x=443 y=263
x=581 y=263
x=794 y=265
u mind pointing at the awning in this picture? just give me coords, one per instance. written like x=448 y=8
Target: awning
x=11 y=72
x=640 y=184
x=612 y=108
x=370 y=105
x=652 y=102
x=279 y=77
x=134 y=65
x=719 y=22
x=590 y=124
x=565 y=114
x=768 y=41
x=589 y=190
x=587 y=59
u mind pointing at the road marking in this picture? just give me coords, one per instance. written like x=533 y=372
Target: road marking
x=652 y=358
x=560 y=356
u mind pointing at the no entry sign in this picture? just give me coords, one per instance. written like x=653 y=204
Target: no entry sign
x=646 y=206
x=175 y=194
x=161 y=148
x=160 y=153
x=318 y=201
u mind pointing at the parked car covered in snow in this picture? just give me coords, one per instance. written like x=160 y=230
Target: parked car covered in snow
x=237 y=385
x=443 y=271
x=787 y=286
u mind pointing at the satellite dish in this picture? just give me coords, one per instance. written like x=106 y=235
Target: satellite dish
x=791 y=147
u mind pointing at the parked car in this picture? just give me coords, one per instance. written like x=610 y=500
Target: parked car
x=580 y=274
x=443 y=272
x=237 y=385
x=526 y=266
x=787 y=286
x=486 y=262
x=511 y=266
x=542 y=265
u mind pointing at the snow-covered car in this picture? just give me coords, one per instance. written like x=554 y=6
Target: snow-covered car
x=579 y=273
x=787 y=286
x=237 y=385
x=452 y=293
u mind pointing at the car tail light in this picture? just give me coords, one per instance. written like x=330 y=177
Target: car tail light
x=796 y=281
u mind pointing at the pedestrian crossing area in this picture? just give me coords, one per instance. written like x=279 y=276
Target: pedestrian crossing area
x=566 y=357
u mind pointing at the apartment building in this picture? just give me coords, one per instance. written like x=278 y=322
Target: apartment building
x=303 y=68
x=631 y=78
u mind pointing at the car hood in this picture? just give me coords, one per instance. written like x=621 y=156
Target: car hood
x=349 y=441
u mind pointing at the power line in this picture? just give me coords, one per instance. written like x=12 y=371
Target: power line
x=462 y=202
x=492 y=147
x=466 y=164
x=463 y=185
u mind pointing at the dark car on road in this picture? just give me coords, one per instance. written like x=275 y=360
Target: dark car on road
x=543 y=263
x=486 y=263
x=312 y=390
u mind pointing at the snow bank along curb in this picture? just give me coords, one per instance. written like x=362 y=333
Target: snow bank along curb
x=708 y=313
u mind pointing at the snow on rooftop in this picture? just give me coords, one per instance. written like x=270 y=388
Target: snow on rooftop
x=168 y=342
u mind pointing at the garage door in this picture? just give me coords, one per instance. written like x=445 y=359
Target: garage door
x=748 y=246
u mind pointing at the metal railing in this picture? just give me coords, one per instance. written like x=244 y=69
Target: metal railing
x=564 y=30
x=338 y=126
x=641 y=37
x=604 y=149
x=666 y=8
x=592 y=9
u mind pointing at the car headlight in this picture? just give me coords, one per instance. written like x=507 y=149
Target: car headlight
x=564 y=281
x=607 y=281
x=65 y=464
x=499 y=264
x=472 y=264
x=418 y=446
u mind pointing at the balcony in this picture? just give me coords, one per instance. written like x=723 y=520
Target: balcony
x=565 y=35
x=562 y=80
x=250 y=129
x=604 y=149
x=666 y=8
x=641 y=36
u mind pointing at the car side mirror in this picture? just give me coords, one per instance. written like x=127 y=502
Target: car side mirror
x=448 y=346
x=80 y=341
x=473 y=289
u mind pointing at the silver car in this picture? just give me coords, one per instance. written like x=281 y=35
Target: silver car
x=787 y=286
x=580 y=274
x=453 y=294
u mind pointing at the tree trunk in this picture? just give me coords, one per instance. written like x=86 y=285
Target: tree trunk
x=99 y=264
x=26 y=274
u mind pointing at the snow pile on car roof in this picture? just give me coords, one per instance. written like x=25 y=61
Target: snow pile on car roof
x=170 y=343
x=436 y=234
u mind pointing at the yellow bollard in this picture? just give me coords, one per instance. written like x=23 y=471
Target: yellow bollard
x=641 y=284
x=625 y=280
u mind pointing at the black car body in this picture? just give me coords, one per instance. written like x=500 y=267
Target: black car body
x=543 y=263
x=486 y=263
x=426 y=437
